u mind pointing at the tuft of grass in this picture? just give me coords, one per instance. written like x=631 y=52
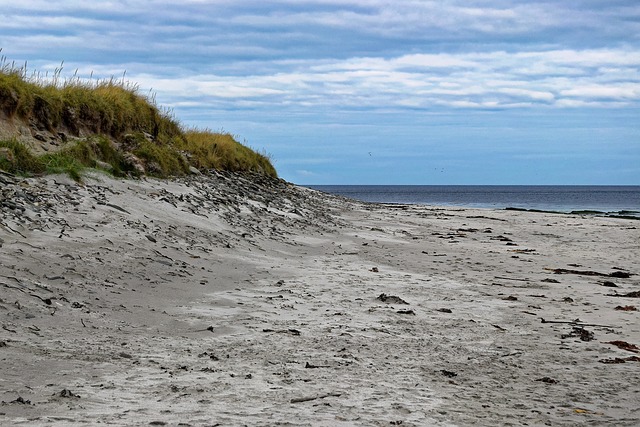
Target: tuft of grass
x=112 y=118
x=216 y=150
x=161 y=160
x=63 y=162
x=110 y=107
x=16 y=158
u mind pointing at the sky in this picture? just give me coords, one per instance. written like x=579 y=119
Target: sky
x=372 y=91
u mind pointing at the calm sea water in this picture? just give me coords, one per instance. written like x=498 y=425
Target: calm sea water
x=609 y=199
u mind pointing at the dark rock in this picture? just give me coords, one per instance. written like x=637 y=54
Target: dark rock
x=66 y=393
x=41 y=136
x=579 y=332
x=620 y=274
x=547 y=380
x=391 y=299
x=21 y=401
x=448 y=374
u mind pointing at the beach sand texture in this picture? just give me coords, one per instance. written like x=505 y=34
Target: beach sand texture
x=226 y=300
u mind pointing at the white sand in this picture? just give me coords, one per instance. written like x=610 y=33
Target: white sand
x=260 y=307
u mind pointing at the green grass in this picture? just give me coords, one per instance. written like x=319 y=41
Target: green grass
x=120 y=122
x=72 y=159
x=63 y=163
x=17 y=159
x=214 y=150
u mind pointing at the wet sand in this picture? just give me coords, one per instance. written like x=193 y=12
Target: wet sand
x=222 y=300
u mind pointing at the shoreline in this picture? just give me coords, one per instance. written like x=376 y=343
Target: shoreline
x=218 y=299
x=622 y=214
x=492 y=197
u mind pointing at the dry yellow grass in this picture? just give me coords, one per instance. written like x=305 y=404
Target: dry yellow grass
x=115 y=110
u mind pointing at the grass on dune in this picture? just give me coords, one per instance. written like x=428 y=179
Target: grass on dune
x=214 y=150
x=110 y=122
x=93 y=152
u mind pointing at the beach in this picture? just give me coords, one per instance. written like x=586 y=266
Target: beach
x=224 y=299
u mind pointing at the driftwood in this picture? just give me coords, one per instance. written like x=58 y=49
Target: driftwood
x=512 y=278
x=319 y=396
x=623 y=345
x=619 y=274
x=163 y=255
x=310 y=366
x=621 y=360
x=576 y=322
x=25 y=291
x=12 y=230
x=121 y=209
x=283 y=331
x=635 y=294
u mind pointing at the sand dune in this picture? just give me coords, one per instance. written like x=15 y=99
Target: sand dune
x=231 y=300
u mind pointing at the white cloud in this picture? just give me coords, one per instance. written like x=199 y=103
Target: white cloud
x=305 y=173
x=534 y=95
x=477 y=80
x=349 y=54
x=619 y=92
x=428 y=61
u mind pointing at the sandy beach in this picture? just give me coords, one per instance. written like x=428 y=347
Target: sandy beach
x=229 y=300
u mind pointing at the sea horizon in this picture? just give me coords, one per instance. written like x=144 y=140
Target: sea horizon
x=607 y=199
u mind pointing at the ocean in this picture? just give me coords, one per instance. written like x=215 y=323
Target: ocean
x=610 y=200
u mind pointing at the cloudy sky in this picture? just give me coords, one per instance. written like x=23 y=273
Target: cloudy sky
x=373 y=91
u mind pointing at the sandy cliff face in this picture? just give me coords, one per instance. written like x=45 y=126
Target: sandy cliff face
x=37 y=137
